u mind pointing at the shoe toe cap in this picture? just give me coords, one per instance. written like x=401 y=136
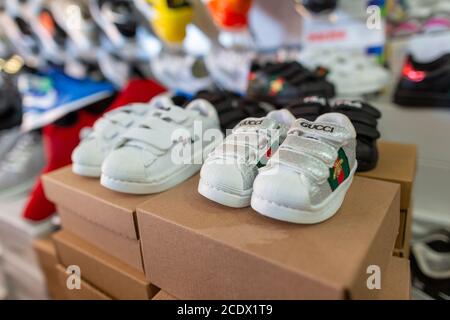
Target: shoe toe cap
x=88 y=153
x=282 y=187
x=229 y=176
x=126 y=164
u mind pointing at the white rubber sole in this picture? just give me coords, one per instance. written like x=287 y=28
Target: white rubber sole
x=86 y=171
x=184 y=173
x=317 y=214
x=226 y=198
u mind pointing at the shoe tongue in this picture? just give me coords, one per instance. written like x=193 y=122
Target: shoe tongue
x=257 y=123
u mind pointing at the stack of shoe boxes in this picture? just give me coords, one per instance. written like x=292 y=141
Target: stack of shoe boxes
x=21 y=267
x=46 y=253
x=196 y=249
x=99 y=237
x=397 y=163
x=127 y=246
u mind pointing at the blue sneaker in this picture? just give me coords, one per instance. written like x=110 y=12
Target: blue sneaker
x=47 y=98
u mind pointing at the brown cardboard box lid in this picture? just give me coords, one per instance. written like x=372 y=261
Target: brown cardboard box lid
x=197 y=249
x=86 y=291
x=397 y=163
x=397 y=282
x=162 y=295
x=105 y=272
x=124 y=248
x=85 y=196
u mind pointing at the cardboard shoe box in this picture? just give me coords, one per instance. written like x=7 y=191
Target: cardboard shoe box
x=85 y=292
x=194 y=248
x=46 y=253
x=98 y=215
x=105 y=272
x=405 y=233
x=397 y=163
x=396 y=284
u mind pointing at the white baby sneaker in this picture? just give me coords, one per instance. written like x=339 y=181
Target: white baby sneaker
x=228 y=173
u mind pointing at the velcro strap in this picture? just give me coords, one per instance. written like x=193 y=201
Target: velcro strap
x=243 y=138
x=344 y=104
x=232 y=151
x=360 y=117
x=122 y=118
x=366 y=131
x=302 y=163
x=329 y=131
x=153 y=131
x=174 y=113
x=104 y=128
x=315 y=148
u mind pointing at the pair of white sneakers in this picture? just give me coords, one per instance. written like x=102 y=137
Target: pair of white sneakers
x=287 y=169
x=148 y=147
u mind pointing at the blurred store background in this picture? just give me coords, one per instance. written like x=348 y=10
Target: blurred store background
x=63 y=63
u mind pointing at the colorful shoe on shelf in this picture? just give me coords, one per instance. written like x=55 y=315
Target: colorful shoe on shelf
x=230 y=14
x=229 y=68
x=364 y=118
x=181 y=72
x=285 y=82
x=228 y=173
x=424 y=84
x=22 y=165
x=353 y=73
x=232 y=108
x=88 y=156
x=307 y=179
x=50 y=97
x=171 y=19
x=163 y=150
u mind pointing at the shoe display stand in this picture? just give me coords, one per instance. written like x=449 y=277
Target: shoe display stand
x=127 y=247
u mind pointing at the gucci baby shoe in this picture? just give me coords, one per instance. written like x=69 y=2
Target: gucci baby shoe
x=229 y=171
x=306 y=180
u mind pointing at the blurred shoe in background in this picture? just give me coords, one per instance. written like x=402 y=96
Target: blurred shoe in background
x=430 y=266
x=48 y=97
x=353 y=73
x=21 y=166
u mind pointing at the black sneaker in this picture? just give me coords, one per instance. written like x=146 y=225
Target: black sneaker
x=309 y=108
x=284 y=83
x=364 y=118
x=232 y=108
x=424 y=84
